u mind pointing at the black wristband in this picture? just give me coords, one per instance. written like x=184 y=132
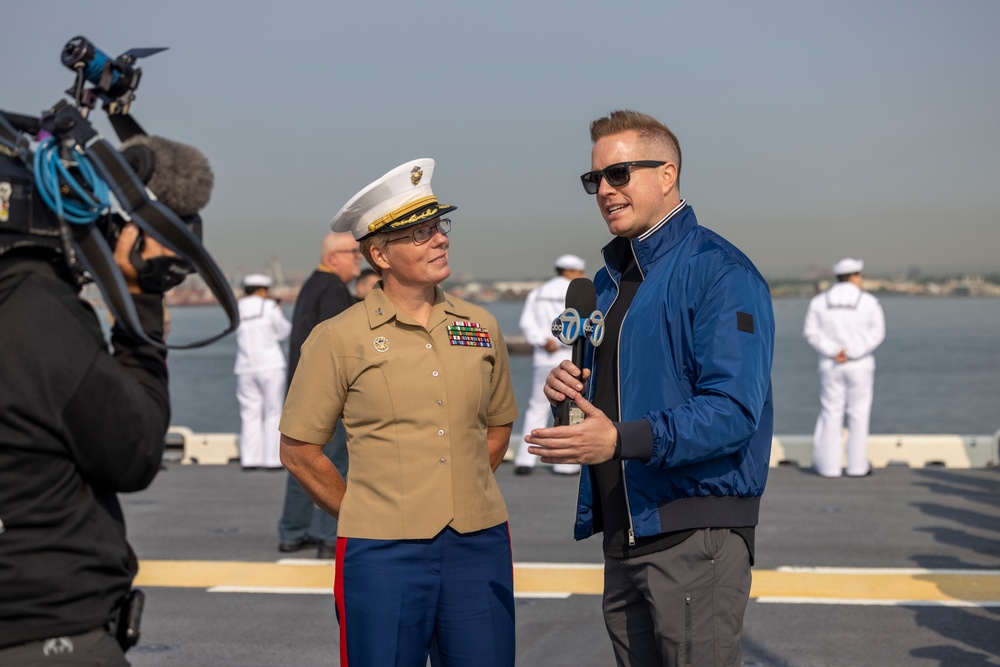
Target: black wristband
x=618 y=447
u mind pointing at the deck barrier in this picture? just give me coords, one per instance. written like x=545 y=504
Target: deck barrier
x=915 y=451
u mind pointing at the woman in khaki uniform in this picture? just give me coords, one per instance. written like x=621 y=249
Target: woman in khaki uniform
x=422 y=382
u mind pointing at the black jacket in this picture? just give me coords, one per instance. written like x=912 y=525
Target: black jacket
x=77 y=426
x=323 y=295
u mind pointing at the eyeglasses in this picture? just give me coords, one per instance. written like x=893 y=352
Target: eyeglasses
x=617 y=174
x=422 y=235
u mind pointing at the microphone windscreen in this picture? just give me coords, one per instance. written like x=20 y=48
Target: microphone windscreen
x=178 y=174
x=581 y=296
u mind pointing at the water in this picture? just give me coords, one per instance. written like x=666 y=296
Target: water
x=938 y=369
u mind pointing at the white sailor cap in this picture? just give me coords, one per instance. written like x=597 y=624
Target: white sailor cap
x=399 y=199
x=847 y=266
x=571 y=262
x=256 y=280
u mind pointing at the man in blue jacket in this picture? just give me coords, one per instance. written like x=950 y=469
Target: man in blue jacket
x=677 y=435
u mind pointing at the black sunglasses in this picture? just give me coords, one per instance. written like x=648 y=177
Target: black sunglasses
x=617 y=174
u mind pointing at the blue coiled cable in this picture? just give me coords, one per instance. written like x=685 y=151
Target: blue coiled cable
x=51 y=174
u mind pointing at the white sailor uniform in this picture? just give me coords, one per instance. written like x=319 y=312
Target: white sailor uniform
x=847 y=318
x=260 y=379
x=542 y=305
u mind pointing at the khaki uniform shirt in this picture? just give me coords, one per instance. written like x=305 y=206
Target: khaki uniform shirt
x=416 y=405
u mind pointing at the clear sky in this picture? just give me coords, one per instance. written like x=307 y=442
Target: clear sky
x=811 y=130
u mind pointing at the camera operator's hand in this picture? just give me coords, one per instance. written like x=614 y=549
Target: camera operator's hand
x=123 y=251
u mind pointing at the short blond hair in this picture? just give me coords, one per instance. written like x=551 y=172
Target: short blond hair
x=650 y=130
x=380 y=241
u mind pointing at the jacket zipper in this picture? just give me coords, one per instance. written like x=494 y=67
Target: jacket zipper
x=628 y=508
x=618 y=365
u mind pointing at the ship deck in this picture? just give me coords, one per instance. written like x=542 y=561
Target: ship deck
x=899 y=568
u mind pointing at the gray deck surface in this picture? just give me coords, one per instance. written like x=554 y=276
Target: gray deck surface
x=897 y=518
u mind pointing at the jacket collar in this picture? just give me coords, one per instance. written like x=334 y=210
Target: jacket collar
x=50 y=267
x=651 y=245
x=381 y=309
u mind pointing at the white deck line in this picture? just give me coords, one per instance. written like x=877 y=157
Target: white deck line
x=290 y=590
x=562 y=566
x=887 y=570
x=274 y=590
x=537 y=566
x=773 y=599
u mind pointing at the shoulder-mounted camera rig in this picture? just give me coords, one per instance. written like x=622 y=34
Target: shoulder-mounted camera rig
x=73 y=192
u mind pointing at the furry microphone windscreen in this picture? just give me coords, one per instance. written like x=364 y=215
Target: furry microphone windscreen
x=178 y=174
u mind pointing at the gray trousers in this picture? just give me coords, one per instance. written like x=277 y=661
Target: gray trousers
x=300 y=518
x=682 y=606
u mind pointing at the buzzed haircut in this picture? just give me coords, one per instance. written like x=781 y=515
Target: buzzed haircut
x=649 y=129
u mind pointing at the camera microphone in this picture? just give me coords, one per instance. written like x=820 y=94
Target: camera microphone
x=178 y=174
x=181 y=178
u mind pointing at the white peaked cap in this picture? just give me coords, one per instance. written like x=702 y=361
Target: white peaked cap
x=256 y=280
x=846 y=267
x=571 y=262
x=399 y=199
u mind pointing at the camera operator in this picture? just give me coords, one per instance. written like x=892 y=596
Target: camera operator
x=78 y=425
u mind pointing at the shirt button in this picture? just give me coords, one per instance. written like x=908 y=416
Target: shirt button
x=435 y=373
x=441 y=432
x=429 y=346
x=442 y=461
x=440 y=402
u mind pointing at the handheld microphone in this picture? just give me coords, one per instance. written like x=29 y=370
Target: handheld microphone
x=581 y=297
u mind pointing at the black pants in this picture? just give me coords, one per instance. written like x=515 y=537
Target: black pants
x=96 y=648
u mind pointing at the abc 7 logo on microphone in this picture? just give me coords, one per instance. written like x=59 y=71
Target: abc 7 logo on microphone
x=569 y=327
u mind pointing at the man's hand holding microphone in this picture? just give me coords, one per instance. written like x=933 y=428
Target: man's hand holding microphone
x=583 y=434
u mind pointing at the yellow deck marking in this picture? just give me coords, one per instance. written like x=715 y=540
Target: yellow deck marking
x=885 y=585
x=213 y=573
x=823 y=585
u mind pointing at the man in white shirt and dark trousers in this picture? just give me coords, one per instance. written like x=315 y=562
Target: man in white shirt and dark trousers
x=844 y=325
x=542 y=305
x=260 y=373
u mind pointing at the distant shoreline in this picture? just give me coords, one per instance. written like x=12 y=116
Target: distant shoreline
x=200 y=303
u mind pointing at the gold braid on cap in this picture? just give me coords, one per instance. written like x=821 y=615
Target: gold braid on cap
x=418 y=217
x=409 y=207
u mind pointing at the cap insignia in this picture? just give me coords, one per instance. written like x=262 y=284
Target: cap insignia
x=416 y=175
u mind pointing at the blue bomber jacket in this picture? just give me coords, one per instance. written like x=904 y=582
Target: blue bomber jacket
x=694 y=381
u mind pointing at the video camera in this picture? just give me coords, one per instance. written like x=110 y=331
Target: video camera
x=65 y=189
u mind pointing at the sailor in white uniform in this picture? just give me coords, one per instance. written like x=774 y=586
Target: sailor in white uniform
x=260 y=373
x=844 y=325
x=542 y=305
